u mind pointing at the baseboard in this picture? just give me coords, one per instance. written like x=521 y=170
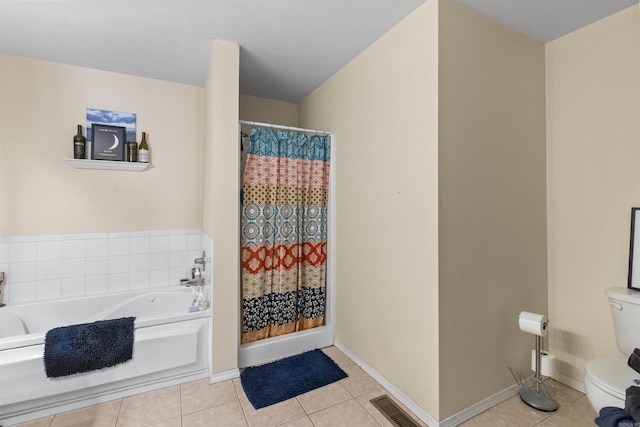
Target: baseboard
x=478 y=408
x=410 y=404
x=569 y=382
x=224 y=376
x=454 y=420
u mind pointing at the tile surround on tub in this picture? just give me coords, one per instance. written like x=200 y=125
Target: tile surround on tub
x=47 y=267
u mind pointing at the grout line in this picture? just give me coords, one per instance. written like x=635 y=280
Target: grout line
x=120 y=411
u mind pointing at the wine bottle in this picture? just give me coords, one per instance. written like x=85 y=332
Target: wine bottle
x=79 y=145
x=143 y=150
x=132 y=151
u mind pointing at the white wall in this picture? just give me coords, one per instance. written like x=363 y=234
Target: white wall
x=382 y=109
x=41 y=103
x=593 y=153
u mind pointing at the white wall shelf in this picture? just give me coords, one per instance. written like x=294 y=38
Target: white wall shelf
x=107 y=165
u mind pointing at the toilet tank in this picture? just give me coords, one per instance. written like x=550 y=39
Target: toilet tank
x=625 y=312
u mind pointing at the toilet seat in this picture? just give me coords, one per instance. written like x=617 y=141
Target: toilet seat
x=612 y=376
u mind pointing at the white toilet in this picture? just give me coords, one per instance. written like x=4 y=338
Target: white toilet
x=606 y=380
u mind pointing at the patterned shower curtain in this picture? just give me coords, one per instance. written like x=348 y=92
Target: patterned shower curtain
x=284 y=233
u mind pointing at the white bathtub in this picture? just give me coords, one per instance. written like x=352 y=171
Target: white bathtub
x=171 y=346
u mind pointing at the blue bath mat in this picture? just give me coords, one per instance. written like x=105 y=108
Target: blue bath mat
x=283 y=379
x=86 y=347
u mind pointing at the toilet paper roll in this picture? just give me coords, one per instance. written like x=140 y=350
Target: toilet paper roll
x=547 y=363
x=533 y=323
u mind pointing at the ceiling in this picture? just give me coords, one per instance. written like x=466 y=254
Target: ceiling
x=287 y=47
x=546 y=20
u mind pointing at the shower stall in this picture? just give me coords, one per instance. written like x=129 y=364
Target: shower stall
x=282 y=313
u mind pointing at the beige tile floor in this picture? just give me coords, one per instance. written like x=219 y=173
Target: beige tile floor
x=344 y=403
x=574 y=410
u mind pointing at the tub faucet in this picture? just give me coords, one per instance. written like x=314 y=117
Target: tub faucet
x=2 y=276
x=195 y=282
x=201 y=260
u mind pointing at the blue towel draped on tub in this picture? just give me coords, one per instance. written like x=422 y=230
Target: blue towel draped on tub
x=86 y=347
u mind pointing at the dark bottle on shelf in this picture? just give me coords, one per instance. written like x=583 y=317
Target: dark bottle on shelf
x=79 y=145
x=143 y=150
x=132 y=151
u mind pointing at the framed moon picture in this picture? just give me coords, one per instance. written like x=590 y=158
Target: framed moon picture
x=108 y=142
x=634 y=251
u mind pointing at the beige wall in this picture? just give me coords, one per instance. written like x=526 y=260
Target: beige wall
x=41 y=103
x=263 y=110
x=382 y=108
x=492 y=203
x=221 y=198
x=392 y=308
x=593 y=145
x=256 y=109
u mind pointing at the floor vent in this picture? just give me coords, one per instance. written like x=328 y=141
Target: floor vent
x=392 y=412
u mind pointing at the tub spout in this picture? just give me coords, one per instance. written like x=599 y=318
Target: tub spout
x=195 y=282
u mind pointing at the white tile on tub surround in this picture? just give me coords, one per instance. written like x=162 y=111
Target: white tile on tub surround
x=158 y=244
x=178 y=242
x=73 y=287
x=119 y=235
x=139 y=245
x=97 y=266
x=74 y=267
x=97 y=284
x=178 y=259
x=74 y=248
x=118 y=264
x=178 y=232
x=139 y=279
x=193 y=242
x=119 y=246
x=118 y=282
x=159 y=261
x=175 y=274
x=54 y=266
x=49 y=250
x=23 y=239
x=23 y=251
x=158 y=278
x=49 y=237
x=97 y=236
x=46 y=270
x=48 y=289
x=78 y=236
x=191 y=257
x=97 y=247
x=21 y=272
x=5 y=252
x=21 y=292
x=139 y=262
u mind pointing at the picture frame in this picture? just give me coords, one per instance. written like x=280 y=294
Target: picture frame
x=112 y=118
x=634 y=251
x=109 y=142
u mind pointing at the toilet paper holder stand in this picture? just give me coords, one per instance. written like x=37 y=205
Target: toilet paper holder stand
x=534 y=392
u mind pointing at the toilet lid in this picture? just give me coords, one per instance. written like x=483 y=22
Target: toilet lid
x=612 y=375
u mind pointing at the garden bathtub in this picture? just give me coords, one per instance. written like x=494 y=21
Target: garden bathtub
x=171 y=346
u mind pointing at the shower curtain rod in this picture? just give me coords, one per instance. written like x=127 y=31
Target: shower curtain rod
x=269 y=125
